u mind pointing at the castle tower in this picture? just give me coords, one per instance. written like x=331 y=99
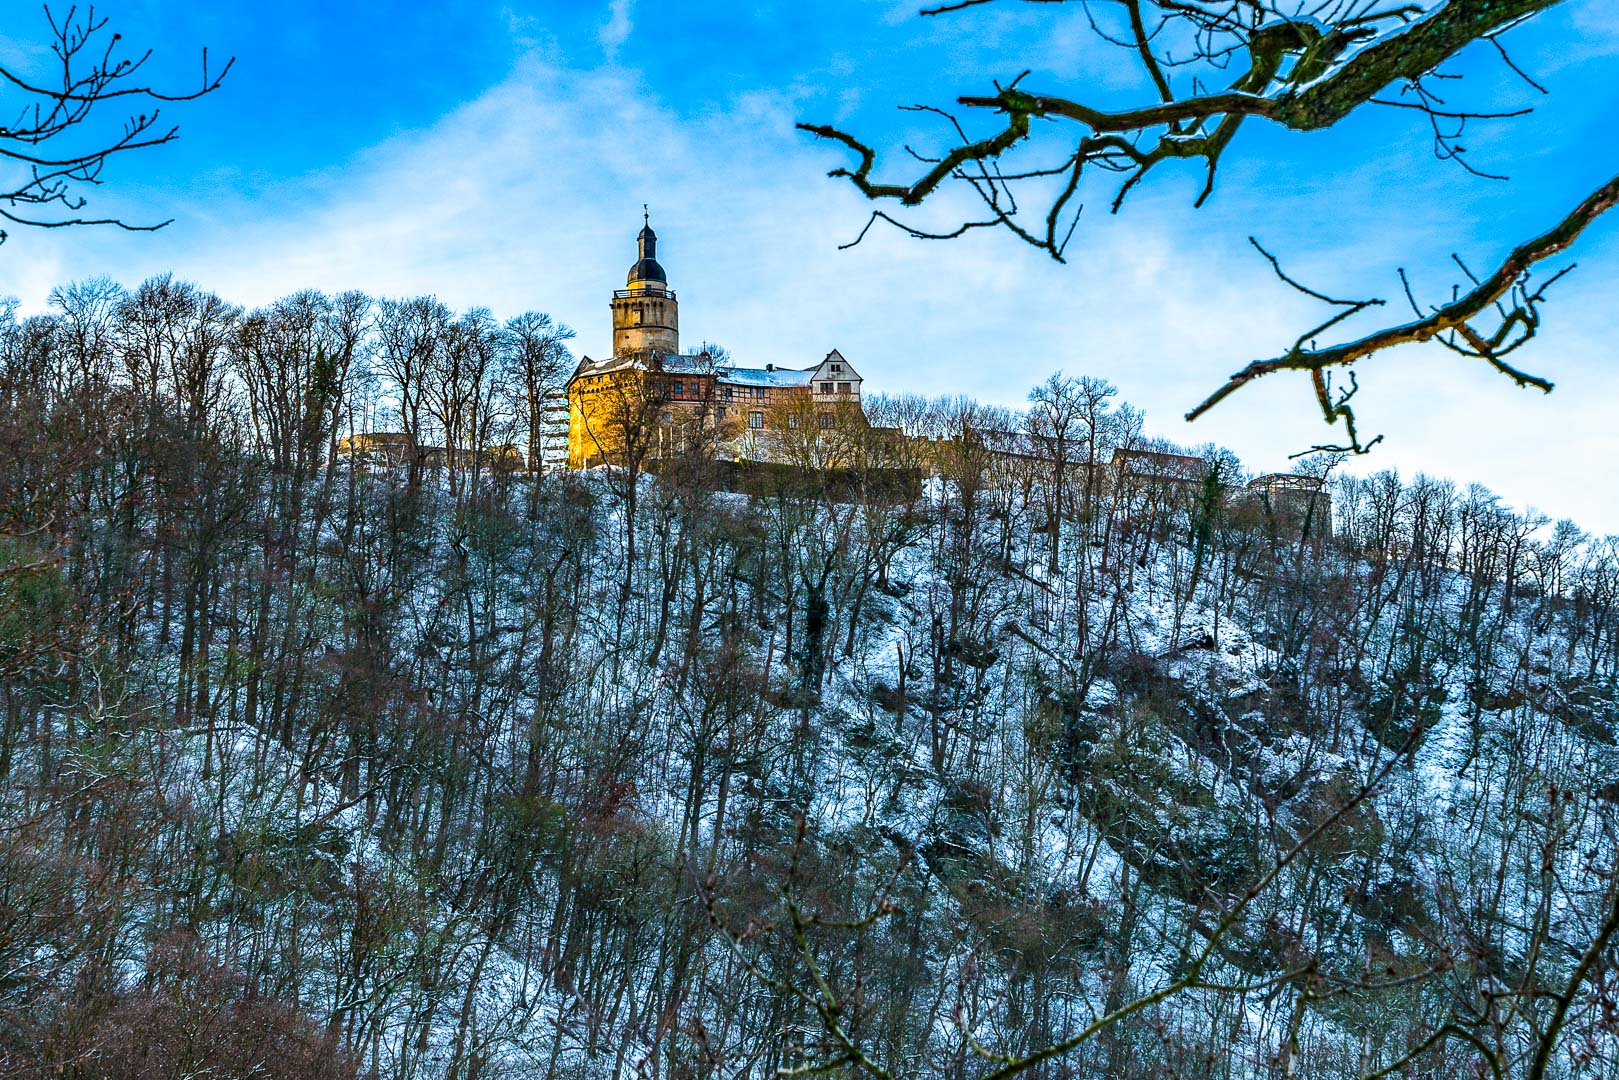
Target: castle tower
x=645 y=315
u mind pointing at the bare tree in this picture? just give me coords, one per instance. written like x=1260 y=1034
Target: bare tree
x=535 y=363
x=461 y=395
x=624 y=428
x=1053 y=426
x=410 y=335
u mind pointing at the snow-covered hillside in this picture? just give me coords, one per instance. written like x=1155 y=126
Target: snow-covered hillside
x=1045 y=766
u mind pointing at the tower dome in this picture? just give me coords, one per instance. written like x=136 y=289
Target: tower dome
x=647 y=268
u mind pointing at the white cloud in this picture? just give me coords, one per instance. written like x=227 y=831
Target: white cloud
x=1594 y=34
x=529 y=198
x=527 y=31
x=616 y=30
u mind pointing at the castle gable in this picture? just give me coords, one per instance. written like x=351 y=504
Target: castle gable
x=835 y=369
x=588 y=367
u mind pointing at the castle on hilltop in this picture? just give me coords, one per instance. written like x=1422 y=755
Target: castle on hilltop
x=649 y=405
x=650 y=398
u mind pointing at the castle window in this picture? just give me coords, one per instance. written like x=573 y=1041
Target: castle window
x=843 y=388
x=826 y=420
x=668 y=416
x=728 y=393
x=758 y=393
x=680 y=388
x=826 y=388
x=792 y=421
x=756 y=420
x=837 y=369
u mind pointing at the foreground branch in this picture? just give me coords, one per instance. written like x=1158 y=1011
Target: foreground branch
x=1301 y=74
x=1456 y=316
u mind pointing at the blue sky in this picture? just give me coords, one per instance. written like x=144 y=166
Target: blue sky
x=498 y=155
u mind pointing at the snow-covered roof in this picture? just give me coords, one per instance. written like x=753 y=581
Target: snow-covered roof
x=587 y=366
x=684 y=364
x=701 y=364
x=765 y=376
x=669 y=363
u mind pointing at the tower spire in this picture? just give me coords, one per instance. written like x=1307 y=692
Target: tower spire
x=646 y=268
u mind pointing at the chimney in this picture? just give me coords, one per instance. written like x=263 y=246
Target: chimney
x=770 y=367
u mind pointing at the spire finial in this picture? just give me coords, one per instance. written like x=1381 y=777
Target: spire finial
x=646 y=216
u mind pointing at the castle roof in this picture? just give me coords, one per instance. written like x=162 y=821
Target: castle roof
x=686 y=364
x=587 y=366
x=771 y=376
x=1293 y=481
x=668 y=363
x=1157 y=463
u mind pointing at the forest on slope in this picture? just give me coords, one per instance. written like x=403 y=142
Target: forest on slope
x=317 y=767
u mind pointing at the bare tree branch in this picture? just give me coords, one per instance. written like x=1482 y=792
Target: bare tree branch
x=88 y=74
x=1518 y=325
x=1300 y=70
